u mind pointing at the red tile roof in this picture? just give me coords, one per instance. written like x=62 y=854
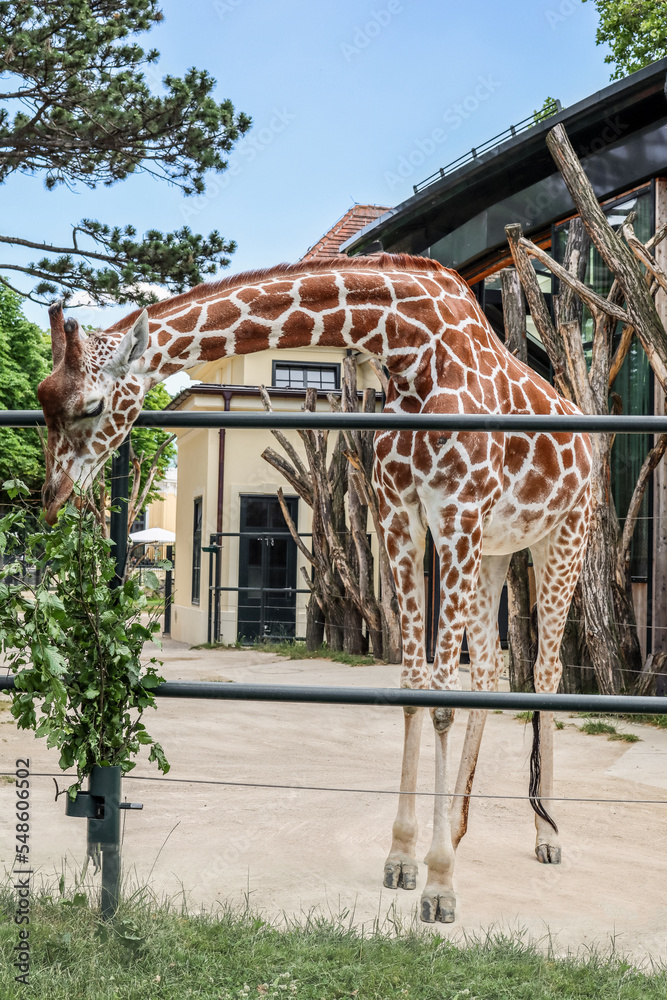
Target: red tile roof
x=347 y=226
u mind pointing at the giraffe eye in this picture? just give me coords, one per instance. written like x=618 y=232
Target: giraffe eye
x=95 y=411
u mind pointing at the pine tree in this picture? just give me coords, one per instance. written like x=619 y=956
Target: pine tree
x=76 y=107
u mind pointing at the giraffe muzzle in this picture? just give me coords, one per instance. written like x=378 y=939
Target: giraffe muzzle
x=54 y=496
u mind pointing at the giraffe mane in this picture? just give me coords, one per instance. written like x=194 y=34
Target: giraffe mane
x=381 y=262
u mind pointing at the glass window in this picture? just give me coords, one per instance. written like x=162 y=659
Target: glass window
x=196 y=550
x=303 y=376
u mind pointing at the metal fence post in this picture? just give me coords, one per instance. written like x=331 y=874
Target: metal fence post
x=120 y=484
x=168 y=577
x=105 y=783
x=110 y=785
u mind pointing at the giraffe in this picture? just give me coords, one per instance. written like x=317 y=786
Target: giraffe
x=483 y=495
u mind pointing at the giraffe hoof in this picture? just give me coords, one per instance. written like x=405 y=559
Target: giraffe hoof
x=548 y=855
x=441 y=908
x=400 y=875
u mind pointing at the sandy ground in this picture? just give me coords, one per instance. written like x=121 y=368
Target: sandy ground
x=296 y=851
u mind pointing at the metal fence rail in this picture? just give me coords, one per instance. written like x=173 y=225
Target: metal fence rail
x=508 y=422
x=509 y=133
x=607 y=704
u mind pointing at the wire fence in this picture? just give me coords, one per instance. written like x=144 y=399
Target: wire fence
x=354 y=791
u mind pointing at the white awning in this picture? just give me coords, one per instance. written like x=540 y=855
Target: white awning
x=153 y=536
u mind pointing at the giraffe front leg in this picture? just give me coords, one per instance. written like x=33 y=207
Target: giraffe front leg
x=404 y=537
x=400 y=868
x=438 y=901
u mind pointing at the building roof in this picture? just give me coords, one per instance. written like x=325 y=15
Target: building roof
x=226 y=392
x=619 y=133
x=345 y=228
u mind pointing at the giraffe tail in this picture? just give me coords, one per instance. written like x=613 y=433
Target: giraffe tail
x=535 y=775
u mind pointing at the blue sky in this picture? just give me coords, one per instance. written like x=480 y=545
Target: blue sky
x=345 y=97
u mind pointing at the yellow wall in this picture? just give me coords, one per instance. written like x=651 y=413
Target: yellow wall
x=246 y=472
x=162 y=512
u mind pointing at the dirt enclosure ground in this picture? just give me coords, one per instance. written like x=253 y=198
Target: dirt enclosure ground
x=295 y=851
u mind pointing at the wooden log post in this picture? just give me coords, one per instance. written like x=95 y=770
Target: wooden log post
x=618 y=257
x=563 y=344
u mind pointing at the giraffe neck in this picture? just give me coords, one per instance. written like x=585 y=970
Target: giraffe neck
x=389 y=315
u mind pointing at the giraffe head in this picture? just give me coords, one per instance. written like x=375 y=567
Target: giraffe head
x=90 y=401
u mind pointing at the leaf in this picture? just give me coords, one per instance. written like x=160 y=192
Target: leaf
x=49 y=602
x=151 y=580
x=54 y=660
x=14 y=487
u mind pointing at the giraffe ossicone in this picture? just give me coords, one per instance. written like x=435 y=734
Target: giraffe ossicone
x=483 y=495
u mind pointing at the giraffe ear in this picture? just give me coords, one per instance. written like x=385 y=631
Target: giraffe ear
x=131 y=348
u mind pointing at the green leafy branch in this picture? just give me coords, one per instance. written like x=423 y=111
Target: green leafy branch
x=635 y=31
x=129 y=266
x=77 y=105
x=73 y=643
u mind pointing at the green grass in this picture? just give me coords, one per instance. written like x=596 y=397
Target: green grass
x=596 y=727
x=658 y=721
x=218 y=645
x=154 y=602
x=155 y=952
x=296 y=650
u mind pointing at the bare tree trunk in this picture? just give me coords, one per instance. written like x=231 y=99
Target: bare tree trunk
x=360 y=458
x=344 y=602
x=602 y=635
x=607 y=607
x=519 y=634
x=381 y=612
x=314 y=624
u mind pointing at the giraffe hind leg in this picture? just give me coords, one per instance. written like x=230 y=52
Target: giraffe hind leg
x=557 y=560
x=536 y=780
